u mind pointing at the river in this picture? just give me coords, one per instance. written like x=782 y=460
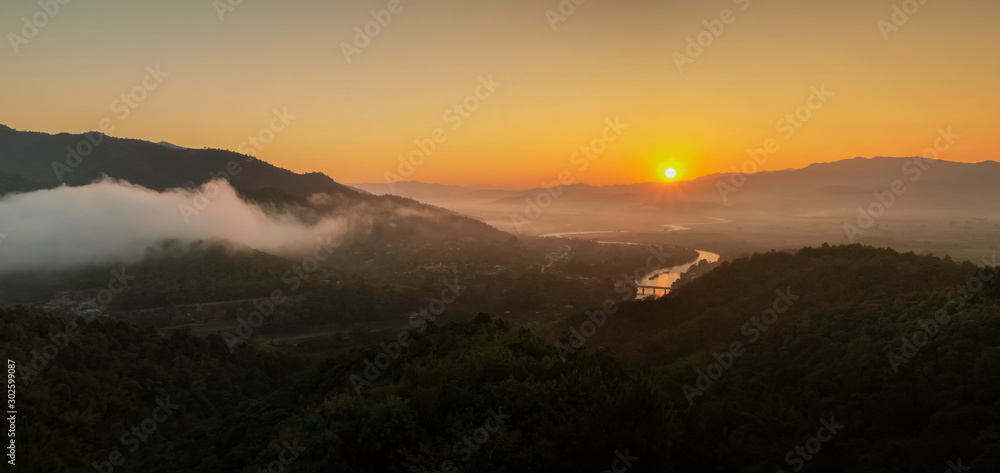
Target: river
x=661 y=278
x=665 y=278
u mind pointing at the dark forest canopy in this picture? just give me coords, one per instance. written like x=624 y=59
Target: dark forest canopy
x=843 y=347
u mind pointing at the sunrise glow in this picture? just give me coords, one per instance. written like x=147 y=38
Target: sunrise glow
x=358 y=110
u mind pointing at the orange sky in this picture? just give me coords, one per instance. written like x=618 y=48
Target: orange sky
x=557 y=87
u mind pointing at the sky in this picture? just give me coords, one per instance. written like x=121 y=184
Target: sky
x=534 y=81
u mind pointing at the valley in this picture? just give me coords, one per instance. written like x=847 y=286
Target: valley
x=675 y=316
x=493 y=237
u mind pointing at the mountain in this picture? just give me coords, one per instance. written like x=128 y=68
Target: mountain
x=660 y=382
x=900 y=349
x=172 y=273
x=80 y=159
x=170 y=145
x=824 y=185
x=896 y=202
x=32 y=161
x=15 y=183
x=929 y=184
x=439 y=194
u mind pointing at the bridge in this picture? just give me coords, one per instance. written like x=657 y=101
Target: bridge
x=642 y=289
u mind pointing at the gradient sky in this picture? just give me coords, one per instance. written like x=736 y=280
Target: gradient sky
x=608 y=59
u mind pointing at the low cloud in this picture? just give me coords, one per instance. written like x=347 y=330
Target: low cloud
x=112 y=221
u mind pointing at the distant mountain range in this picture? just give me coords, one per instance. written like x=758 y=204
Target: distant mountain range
x=31 y=161
x=912 y=204
x=815 y=203
x=838 y=185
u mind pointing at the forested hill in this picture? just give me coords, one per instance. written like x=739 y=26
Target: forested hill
x=851 y=374
x=479 y=396
x=902 y=349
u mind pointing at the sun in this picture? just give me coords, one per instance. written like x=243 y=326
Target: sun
x=670 y=173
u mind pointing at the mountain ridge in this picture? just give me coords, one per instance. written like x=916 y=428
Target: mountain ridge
x=31 y=161
x=866 y=175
